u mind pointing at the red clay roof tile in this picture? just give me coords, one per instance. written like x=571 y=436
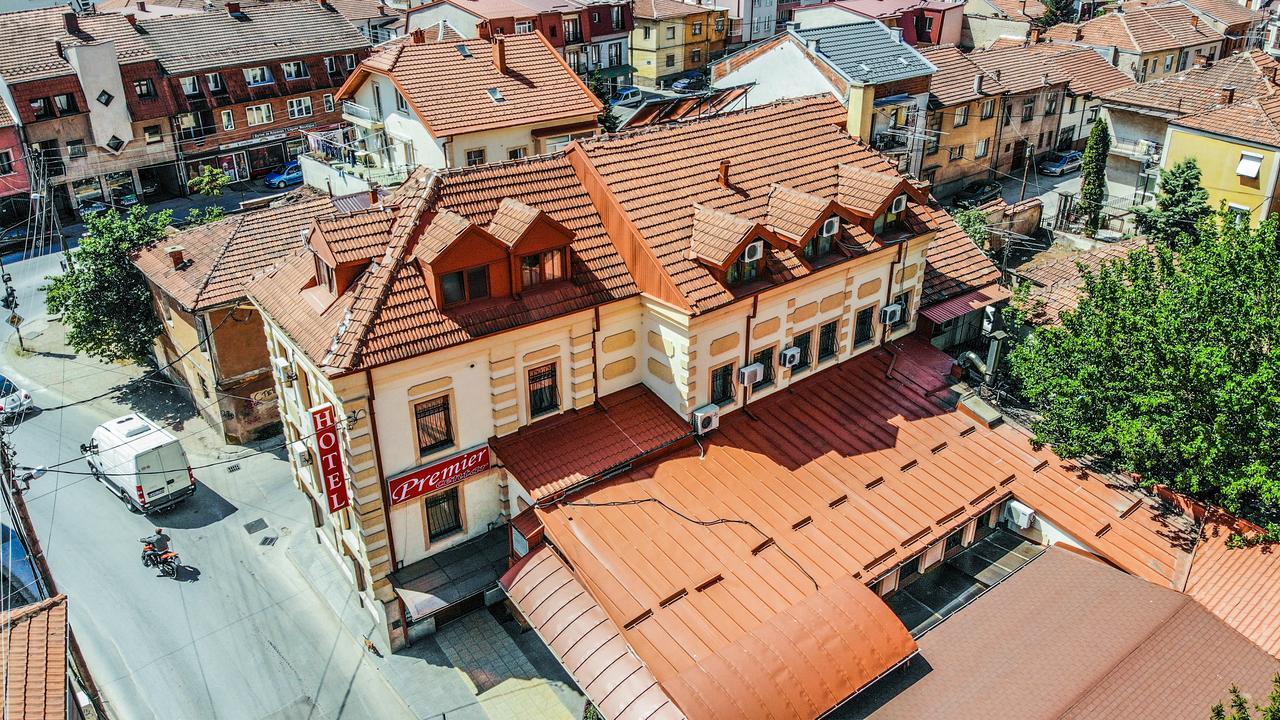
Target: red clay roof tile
x=352 y=237
x=1200 y=88
x=1255 y=120
x=35 y=664
x=1140 y=29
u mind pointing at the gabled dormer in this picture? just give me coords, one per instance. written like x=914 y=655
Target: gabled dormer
x=461 y=261
x=344 y=245
x=880 y=197
x=733 y=248
x=812 y=224
x=538 y=244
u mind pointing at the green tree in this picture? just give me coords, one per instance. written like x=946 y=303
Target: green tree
x=103 y=299
x=1240 y=706
x=1170 y=367
x=211 y=181
x=204 y=216
x=1181 y=203
x=974 y=223
x=1093 y=177
x=598 y=84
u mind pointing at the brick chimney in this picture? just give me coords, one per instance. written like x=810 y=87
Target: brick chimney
x=1228 y=94
x=724 y=174
x=1271 y=72
x=131 y=19
x=71 y=22
x=419 y=37
x=1195 y=21
x=1035 y=36
x=1201 y=61
x=1079 y=33
x=374 y=197
x=500 y=53
x=233 y=8
x=175 y=255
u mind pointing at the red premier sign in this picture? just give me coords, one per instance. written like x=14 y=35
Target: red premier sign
x=324 y=421
x=439 y=475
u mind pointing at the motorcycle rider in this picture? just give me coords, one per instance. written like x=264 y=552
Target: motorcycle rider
x=158 y=545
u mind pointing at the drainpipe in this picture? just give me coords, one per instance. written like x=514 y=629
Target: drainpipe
x=888 y=298
x=746 y=354
x=595 y=358
x=386 y=498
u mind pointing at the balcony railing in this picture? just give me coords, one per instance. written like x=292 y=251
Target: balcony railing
x=1136 y=148
x=360 y=115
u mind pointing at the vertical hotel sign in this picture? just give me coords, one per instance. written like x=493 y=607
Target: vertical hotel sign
x=324 y=422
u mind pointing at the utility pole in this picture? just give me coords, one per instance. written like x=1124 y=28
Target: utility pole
x=1026 y=166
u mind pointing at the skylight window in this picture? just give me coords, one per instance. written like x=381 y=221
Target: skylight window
x=463 y=51
x=496 y=95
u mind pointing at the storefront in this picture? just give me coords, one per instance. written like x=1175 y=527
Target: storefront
x=255 y=157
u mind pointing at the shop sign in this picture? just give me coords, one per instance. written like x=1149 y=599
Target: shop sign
x=438 y=475
x=324 y=422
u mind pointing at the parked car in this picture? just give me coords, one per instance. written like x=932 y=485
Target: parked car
x=14 y=401
x=123 y=198
x=976 y=193
x=141 y=462
x=150 y=188
x=627 y=95
x=16 y=237
x=290 y=174
x=690 y=83
x=1061 y=163
x=90 y=208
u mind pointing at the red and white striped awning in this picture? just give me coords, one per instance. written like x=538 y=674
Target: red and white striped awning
x=966 y=303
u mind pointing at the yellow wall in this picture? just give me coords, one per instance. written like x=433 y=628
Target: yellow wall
x=968 y=136
x=649 y=55
x=1218 y=159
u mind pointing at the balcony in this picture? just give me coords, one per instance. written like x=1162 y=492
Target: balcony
x=892 y=139
x=1139 y=149
x=361 y=116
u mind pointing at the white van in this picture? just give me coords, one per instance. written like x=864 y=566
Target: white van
x=141 y=462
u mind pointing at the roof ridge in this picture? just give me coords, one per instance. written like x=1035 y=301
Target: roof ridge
x=733 y=114
x=26 y=612
x=222 y=253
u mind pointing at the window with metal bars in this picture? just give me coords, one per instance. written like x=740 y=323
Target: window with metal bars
x=435 y=427
x=803 y=341
x=722 y=385
x=827 y=345
x=864 y=328
x=443 y=516
x=765 y=358
x=903 y=299
x=544 y=396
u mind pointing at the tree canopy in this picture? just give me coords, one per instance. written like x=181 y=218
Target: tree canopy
x=1240 y=706
x=103 y=299
x=1093 y=177
x=599 y=86
x=1170 y=367
x=1180 y=204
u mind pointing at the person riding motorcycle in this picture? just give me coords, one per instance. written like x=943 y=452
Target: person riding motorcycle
x=154 y=546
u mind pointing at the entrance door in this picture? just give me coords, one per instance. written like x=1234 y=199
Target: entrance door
x=1019 y=154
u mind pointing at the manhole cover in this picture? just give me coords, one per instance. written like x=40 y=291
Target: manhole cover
x=255 y=526
x=268 y=540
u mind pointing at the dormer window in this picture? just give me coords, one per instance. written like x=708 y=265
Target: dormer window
x=465 y=285
x=891 y=220
x=821 y=243
x=324 y=275
x=748 y=265
x=541 y=268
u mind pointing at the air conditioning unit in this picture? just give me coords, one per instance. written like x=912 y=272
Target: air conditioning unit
x=831 y=226
x=790 y=357
x=753 y=251
x=891 y=314
x=751 y=374
x=899 y=204
x=301 y=453
x=989 y=320
x=706 y=419
x=1019 y=515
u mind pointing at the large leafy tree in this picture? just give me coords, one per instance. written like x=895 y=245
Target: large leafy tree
x=103 y=299
x=1093 y=177
x=1180 y=205
x=1170 y=367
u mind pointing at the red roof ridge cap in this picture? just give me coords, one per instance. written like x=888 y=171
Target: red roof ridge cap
x=659 y=127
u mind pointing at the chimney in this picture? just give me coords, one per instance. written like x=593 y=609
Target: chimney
x=724 y=174
x=419 y=37
x=1195 y=21
x=57 y=46
x=233 y=8
x=175 y=254
x=1200 y=61
x=977 y=84
x=142 y=6
x=1035 y=36
x=812 y=44
x=897 y=34
x=1271 y=72
x=793 y=26
x=1079 y=35
x=997 y=74
x=131 y=19
x=1044 y=79
x=500 y=54
x=1228 y=94
x=71 y=22
x=374 y=197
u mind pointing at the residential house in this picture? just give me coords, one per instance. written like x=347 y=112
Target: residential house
x=1146 y=42
x=963 y=122
x=1243 y=28
x=92 y=106
x=143 y=10
x=1031 y=110
x=986 y=21
x=454 y=103
x=673 y=38
x=1139 y=116
x=882 y=80
x=15 y=181
x=1056 y=281
x=1237 y=147
x=248 y=82
x=923 y=22
x=39 y=670
x=374 y=19
x=1089 y=77
x=197 y=279
x=592 y=35
x=752 y=21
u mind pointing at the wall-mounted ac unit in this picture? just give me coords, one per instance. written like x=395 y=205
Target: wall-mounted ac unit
x=831 y=226
x=790 y=357
x=753 y=251
x=1019 y=515
x=301 y=453
x=899 y=204
x=891 y=314
x=706 y=419
x=751 y=374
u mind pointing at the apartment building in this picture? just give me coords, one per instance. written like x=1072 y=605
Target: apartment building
x=593 y=36
x=963 y=122
x=1030 y=112
x=1244 y=28
x=987 y=21
x=15 y=181
x=248 y=82
x=673 y=38
x=452 y=103
x=1146 y=42
x=923 y=22
x=881 y=79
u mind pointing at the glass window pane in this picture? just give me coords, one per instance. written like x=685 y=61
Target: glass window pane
x=765 y=358
x=543 y=394
x=454 y=292
x=804 y=342
x=443 y=517
x=827 y=345
x=435 y=429
x=722 y=384
x=865 y=331
x=478 y=283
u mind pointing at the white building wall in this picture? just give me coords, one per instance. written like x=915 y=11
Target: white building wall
x=781 y=73
x=98 y=71
x=465 y=23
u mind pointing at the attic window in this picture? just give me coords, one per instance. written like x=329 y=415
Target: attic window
x=496 y=95
x=463 y=51
x=1250 y=165
x=115 y=143
x=821 y=243
x=105 y=98
x=747 y=267
x=891 y=220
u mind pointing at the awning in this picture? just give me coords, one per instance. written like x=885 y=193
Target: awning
x=615 y=71
x=966 y=303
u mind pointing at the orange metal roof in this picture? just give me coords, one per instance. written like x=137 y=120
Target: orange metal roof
x=722 y=563
x=1239 y=585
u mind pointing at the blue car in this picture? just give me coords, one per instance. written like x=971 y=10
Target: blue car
x=290 y=174
x=693 y=82
x=1061 y=163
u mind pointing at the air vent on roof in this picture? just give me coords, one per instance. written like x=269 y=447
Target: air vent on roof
x=463 y=51
x=496 y=95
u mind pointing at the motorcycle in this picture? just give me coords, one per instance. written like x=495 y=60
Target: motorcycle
x=167 y=562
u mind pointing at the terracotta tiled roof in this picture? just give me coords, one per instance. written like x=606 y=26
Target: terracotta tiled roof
x=615 y=430
x=688 y=108
x=792 y=212
x=664 y=9
x=953 y=83
x=226 y=255
x=1018 y=10
x=1240 y=585
x=352 y=237
x=955 y=265
x=1057 y=282
x=6 y=117
x=512 y=220
x=867 y=191
x=451 y=92
x=851 y=473
x=1086 y=71
x=362 y=10
x=1021 y=69
x=1198 y=89
x=35 y=664
x=392 y=315
x=272 y=31
x=1228 y=12
x=443 y=32
x=654 y=173
x=1140 y=29
x=717 y=234
x=36 y=57
x=1254 y=120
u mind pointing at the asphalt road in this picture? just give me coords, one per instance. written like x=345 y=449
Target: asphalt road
x=239 y=635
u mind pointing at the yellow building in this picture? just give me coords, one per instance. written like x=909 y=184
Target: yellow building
x=1236 y=148
x=672 y=38
x=963 y=126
